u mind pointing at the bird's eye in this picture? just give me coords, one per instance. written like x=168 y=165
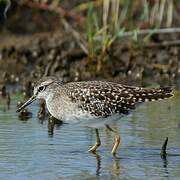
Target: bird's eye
x=41 y=88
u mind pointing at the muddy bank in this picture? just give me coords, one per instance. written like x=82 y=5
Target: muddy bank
x=24 y=58
x=34 y=42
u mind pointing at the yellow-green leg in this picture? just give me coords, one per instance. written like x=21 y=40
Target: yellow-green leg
x=97 y=144
x=116 y=139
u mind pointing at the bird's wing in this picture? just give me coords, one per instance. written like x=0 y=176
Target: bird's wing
x=102 y=98
x=106 y=98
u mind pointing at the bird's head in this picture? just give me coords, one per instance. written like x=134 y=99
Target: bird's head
x=42 y=89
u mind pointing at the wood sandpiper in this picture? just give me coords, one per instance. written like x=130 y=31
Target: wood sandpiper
x=92 y=103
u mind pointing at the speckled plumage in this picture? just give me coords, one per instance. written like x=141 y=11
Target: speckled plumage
x=95 y=99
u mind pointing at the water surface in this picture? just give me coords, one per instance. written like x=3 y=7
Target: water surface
x=27 y=151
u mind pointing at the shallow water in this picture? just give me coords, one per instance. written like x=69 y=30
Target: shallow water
x=27 y=151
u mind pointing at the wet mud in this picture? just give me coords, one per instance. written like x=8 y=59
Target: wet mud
x=28 y=58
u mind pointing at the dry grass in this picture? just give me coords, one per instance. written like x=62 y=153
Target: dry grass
x=107 y=20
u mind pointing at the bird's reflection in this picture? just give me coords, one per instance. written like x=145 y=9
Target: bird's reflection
x=115 y=167
x=98 y=163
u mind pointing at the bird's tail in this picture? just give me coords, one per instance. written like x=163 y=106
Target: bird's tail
x=154 y=94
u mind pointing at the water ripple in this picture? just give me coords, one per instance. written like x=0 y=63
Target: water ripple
x=28 y=152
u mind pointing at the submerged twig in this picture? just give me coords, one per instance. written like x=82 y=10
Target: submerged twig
x=163 y=149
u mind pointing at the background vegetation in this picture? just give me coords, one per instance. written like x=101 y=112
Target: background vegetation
x=106 y=38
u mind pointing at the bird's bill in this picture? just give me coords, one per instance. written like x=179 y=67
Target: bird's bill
x=33 y=98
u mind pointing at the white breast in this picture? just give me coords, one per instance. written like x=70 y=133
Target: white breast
x=69 y=112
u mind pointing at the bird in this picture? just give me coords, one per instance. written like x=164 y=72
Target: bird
x=93 y=103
